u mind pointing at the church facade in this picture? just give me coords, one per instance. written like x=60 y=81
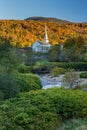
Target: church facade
x=42 y=46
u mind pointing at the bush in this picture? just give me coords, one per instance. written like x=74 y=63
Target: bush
x=57 y=71
x=71 y=80
x=83 y=57
x=47 y=67
x=83 y=75
x=11 y=85
x=83 y=87
x=8 y=86
x=82 y=66
x=24 y=69
x=43 y=109
x=42 y=68
x=27 y=82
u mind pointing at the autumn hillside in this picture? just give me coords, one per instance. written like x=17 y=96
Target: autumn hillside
x=25 y=32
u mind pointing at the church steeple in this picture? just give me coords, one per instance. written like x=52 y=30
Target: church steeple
x=46 y=40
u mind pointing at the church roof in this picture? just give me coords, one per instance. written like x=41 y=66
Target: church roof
x=43 y=42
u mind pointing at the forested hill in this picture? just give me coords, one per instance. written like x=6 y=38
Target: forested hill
x=46 y=19
x=25 y=32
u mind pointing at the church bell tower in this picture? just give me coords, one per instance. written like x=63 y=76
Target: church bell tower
x=46 y=40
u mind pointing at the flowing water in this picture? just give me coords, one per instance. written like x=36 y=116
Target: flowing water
x=50 y=82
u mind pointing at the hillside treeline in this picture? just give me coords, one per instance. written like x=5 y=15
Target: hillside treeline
x=24 y=32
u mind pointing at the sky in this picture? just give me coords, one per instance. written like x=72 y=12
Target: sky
x=71 y=10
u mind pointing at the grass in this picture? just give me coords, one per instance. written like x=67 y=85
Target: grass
x=74 y=124
x=83 y=75
x=84 y=87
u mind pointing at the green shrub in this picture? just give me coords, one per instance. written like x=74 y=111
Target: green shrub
x=83 y=57
x=41 y=68
x=47 y=67
x=43 y=121
x=28 y=82
x=57 y=71
x=72 y=65
x=8 y=86
x=12 y=84
x=43 y=109
x=24 y=69
x=71 y=80
x=83 y=87
x=83 y=75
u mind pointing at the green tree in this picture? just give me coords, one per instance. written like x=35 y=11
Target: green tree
x=54 y=52
x=8 y=86
x=69 y=43
x=70 y=54
x=73 y=48
x=8 y=57
x=8 y=63
x=79 y=44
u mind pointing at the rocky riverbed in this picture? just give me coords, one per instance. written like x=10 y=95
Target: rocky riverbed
x=49 y=81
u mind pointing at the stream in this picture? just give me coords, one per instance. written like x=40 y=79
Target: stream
x=50 y=82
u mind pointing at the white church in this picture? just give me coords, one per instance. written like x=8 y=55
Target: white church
x=42 y=46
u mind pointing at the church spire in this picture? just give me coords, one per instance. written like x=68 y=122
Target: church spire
x=46 y=40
